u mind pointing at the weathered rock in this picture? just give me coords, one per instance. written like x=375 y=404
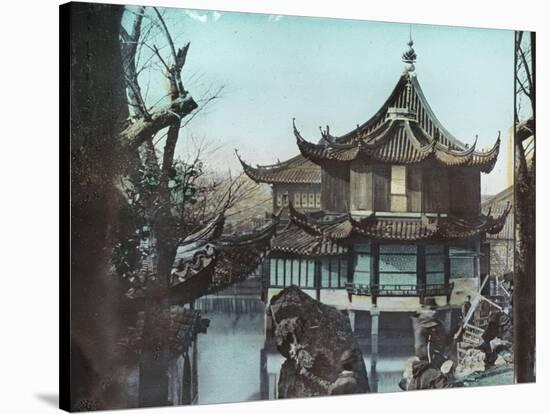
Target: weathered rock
x=312 y=337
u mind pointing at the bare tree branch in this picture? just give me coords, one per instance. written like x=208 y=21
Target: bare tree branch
x=157 y=52
x=167 y=33
x=205 y=103
x=522 y=87
x=129 y=47
x=526 y=69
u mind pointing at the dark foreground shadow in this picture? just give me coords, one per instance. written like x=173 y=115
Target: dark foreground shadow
x=50 y=399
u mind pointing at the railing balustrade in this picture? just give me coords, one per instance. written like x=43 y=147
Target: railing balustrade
x=400 y=289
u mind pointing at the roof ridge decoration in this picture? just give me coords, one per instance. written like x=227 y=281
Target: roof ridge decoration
x=409 y=56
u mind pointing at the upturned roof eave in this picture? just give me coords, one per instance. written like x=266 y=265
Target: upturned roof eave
x=364 y=148
x=274 y=174
x=379 y=228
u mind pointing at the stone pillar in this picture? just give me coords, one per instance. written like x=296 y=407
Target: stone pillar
x=318 y=280
x=195 y=373
x=264 y=375
x=186 y=397
x=273 y=386
x=374 y=316
x=351 y=316
x=268 y=326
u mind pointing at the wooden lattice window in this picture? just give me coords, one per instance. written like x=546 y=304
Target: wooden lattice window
x=463 y=262
x=434 y=257
x=398 y=188
x=397 y=264
x=362 y=270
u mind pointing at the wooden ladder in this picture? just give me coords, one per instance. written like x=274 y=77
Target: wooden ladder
x=474 y=324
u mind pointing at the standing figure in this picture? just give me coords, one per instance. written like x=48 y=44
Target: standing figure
x=430 y=338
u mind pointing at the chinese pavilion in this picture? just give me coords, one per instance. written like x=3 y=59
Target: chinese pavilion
x=297 y=179
x=385 y=216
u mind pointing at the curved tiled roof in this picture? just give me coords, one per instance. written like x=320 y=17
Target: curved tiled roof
x=225 y=260
x=208 y=261
x=305 y=235
x=496 y=205
x=404 y=130
x=406 y=93
x=296 y=170
x=398 y=141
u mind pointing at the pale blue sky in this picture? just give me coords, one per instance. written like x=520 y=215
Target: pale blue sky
x=335 y=72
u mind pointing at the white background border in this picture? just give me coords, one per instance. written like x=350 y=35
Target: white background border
x=29 y=203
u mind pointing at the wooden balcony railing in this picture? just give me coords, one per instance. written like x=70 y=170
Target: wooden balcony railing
x=420 y=290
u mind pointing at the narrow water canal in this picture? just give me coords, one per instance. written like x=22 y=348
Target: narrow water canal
x=229 y=355
x=229 y=358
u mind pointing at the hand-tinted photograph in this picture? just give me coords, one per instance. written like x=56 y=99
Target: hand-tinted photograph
x=273 y=206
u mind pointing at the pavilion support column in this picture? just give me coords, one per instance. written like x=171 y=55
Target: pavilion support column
x=447 y=320
x=421 y=272
x=375 y=274
x=447 y=273
x=374 y=315
x=186 y=397
x=264 y=375
x=268 y=326
x=195 y=374
x=351 y=316
x=318 y=280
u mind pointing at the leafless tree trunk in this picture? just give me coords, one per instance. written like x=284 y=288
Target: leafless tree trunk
x=144 y=125
x=169 y=222
x=98 y=110
x=524 y=300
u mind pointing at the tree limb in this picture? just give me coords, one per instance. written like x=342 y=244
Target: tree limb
x=522 y=87
x=167 y=33
x=129 y=48
x=136 y=134
x=169 y=150
x=526 y=69
x=179 y=58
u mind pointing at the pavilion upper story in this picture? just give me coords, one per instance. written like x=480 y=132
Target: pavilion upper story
x=402 y=160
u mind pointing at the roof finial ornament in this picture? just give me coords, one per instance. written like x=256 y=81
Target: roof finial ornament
x=409 y=57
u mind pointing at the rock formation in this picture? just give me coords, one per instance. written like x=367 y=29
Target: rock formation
x=313 y=338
